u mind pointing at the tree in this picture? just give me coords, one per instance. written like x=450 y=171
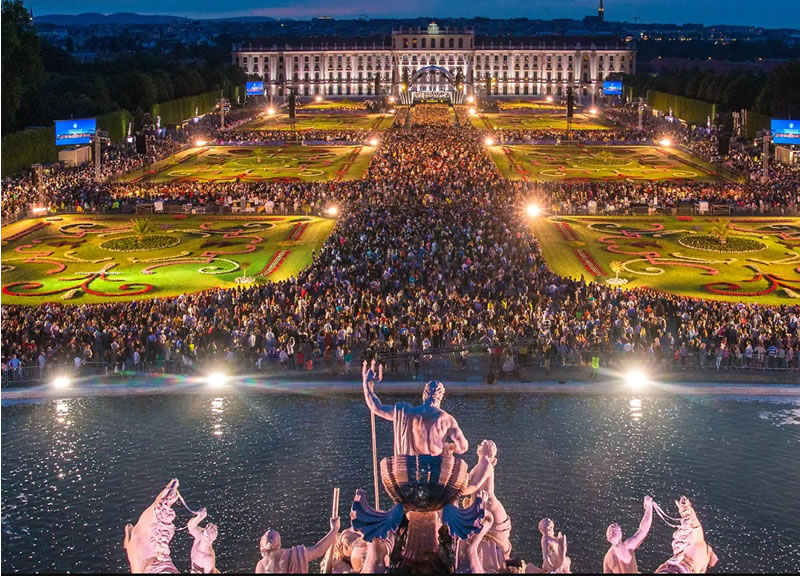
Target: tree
x=780 y=97
x=21 y=61
x=721 y=230
x=616 y=267
x=143 y=227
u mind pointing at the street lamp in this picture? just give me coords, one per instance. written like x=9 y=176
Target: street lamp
x=533 y=210
x=593 y=111
x=332 y=211
x=271 y=111
x=665 y=142
x=489 y=141
x=373 y=142
x=318 y=98
x=200 y=143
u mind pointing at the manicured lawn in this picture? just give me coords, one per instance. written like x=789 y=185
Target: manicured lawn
x=528 y=105
x=571 y=162
x=548 y=121
x=322 y=121
x=307 y=103
x=227 y=163
x=69 y=258
x=653 y=251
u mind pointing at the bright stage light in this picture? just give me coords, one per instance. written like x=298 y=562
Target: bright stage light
x=533 y=210
x=38 y=209
x=61 y=382
x=470 y=99
x=373 y=142
x=318 y=98
x=391 y=111
x=665 y=142
x=216 y=380
x=636 y=379
x=271 y=111
x=472 y=111
x=332 y=211
x=200 y=143
x=593 y=111
x=391 y=99
x=489 y=141
x=549 y=98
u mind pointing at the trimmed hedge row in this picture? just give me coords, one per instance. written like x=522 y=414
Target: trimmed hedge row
x=21 y=149
x=687 y=109
x=116 y=124
x=174 y=112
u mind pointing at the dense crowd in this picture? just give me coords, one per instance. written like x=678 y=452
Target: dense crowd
x=432 y=251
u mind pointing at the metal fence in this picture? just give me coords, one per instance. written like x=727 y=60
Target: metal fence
x=469 y=363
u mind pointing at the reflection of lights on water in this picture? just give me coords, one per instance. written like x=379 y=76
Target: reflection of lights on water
x=217 y=408
x=636 y=409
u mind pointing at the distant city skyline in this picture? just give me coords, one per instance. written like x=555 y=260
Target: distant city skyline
x=774 y=14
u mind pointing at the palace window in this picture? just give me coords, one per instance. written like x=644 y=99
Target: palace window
x=405 y=42
x=460 y=42
x=424 y=41
x=450 y=43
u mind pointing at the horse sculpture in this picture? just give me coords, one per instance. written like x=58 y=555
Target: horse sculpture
x=690 y=553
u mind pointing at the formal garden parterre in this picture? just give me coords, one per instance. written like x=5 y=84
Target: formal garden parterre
x=730 y=259
x=594 y=162
x=321 y=120
x=85 y=259
x=256 y=163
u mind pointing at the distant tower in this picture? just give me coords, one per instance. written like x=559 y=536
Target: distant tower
x=601 y=12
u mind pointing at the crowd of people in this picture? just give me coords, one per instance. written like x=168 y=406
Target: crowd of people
x=432 y=251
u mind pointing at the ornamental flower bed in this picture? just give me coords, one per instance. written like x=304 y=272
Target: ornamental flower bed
x=734 y=245
x=274 y=263
x=589 y=263
x=135 y=244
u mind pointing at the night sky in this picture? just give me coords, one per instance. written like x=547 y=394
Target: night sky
x=772 y=13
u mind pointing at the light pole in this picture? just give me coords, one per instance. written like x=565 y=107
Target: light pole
x=222 y=102
x=765 y=157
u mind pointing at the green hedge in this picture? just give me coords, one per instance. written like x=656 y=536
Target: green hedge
x=756 y=122
x=116 y=124
x=177 y=111
x=687 y=109
x=21 y=149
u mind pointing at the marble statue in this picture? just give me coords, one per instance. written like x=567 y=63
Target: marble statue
x=690 y=553
x=497 y=544
x=554 y=551
x=147 y=543
x=423 y=478
x=476 y=561
x=347 y=542
x=621 y=558
x=423 y=429
x=203 y=558
x=294 y=560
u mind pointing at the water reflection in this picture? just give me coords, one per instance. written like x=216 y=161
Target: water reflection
x=217 y=412
x=636 y=409
x=62 y=411
x=257 y=461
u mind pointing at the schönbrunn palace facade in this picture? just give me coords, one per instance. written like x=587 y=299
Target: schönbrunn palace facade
x=433 y=60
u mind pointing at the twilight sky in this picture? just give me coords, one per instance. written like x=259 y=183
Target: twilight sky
x=769 y=13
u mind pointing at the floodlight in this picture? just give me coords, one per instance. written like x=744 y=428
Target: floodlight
x=216 y=380
x=61 y=382
x=636 y=379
